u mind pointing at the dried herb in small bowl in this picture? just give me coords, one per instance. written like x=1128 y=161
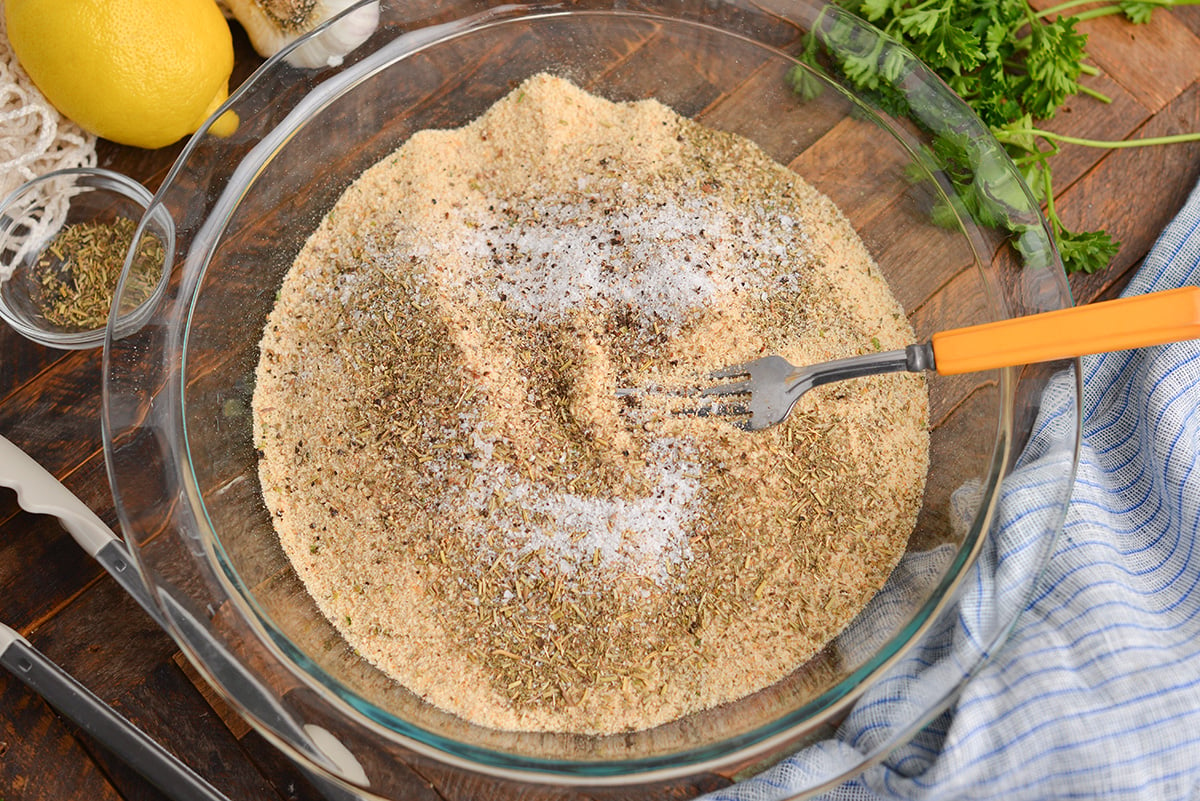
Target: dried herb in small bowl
x=78 y=272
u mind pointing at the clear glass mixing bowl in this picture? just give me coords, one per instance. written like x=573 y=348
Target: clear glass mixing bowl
x=957 y=234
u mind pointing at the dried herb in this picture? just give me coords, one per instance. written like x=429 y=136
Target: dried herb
x=582 y=565
x=79 y=269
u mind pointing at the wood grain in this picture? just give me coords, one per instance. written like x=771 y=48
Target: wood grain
x=50 y=405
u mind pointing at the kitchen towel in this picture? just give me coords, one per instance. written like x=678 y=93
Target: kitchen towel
x=1096 y=692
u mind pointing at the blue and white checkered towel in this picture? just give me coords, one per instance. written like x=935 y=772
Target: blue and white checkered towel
x=1096 y=692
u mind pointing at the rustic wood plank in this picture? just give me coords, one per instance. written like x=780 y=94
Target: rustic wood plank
x=793 y=124
x=1134 y=193
x=289 y=781
x=965 y=450
x=1156 y=61
x=858 y=168
x=109 y=644
x=461 y=786
x=41 y=757
x=920 y=258
x=21 y=360
x=41 y=568
x=1086 y=117
x=236 y=724
x=1189 y=16
x=52 y=419
x=636 y=77
x=961 y=302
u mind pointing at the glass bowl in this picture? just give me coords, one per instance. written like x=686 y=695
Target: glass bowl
x=64 y=239
x=942 y=210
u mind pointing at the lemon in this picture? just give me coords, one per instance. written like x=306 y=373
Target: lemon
x=139 y=72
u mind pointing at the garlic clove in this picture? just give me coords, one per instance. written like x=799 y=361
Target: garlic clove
x=274 y=24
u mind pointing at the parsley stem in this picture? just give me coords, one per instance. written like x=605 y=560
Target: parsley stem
x=1103 y=98
x=1011 y=135
x=1048 y=196
x=1112 y=8
x=1061 y=7
x=1100 y=11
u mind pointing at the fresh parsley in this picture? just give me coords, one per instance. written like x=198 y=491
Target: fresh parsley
x=1012 y=65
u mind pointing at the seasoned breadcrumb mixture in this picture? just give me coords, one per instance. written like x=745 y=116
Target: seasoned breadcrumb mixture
x=459 y=486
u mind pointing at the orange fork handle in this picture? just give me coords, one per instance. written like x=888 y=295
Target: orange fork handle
x=1134 y=322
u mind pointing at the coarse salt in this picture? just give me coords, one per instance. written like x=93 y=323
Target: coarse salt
x=648 y=535
x=662 y=257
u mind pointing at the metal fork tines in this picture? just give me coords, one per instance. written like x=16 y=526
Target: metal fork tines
x=769 y=387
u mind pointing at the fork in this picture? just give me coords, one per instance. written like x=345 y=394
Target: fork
x=769 y=387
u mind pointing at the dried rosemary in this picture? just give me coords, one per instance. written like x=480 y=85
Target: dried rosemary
x=454 y=481
x=78 y=272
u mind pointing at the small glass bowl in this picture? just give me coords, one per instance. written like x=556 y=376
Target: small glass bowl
x=65 y=238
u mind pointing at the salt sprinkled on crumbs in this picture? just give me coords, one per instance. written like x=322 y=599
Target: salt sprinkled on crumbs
x=646 y=535
x=662 y=256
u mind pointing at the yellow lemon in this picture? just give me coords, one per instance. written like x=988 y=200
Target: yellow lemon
x=138 y=72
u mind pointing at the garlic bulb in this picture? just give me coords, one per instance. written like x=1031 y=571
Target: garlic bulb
x=274 y=24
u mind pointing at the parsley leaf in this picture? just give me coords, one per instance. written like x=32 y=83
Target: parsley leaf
x=1136 y=11
x=1052 y=67
x=1085 y=252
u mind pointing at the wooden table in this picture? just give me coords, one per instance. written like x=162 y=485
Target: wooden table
x=67 y=607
